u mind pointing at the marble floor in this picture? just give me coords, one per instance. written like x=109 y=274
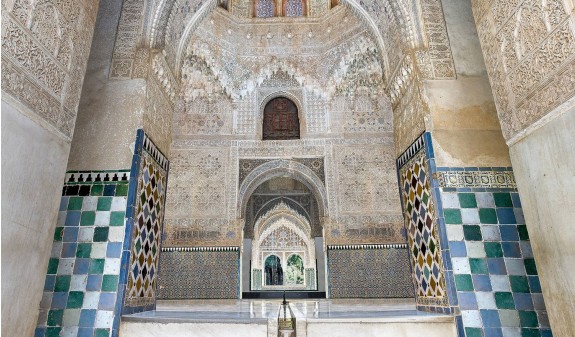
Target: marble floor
x=314 y=318
x=259 y=311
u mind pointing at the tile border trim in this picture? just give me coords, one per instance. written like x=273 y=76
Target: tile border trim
x=477 y=178
x=153 y=150
x=362 y=247
x=201 y=249
x=95 y=177
x=411 y=151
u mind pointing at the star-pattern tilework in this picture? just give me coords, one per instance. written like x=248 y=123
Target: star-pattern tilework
x=80 y=291
x=369 y=273
x=422 y=231
x=201 y=274
x=150 y=200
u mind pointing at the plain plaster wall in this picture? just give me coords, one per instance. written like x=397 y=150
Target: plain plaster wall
x=463 y=38
x=246 y=265
x=110 y=111
x=33 y=169
x=464 y=122
x=544 y=167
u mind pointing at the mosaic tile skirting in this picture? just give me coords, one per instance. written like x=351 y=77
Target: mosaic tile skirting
x=496 y=279
x=199 y=274
x=145 y=216
x=369 y=273
x=423 y=231
x=81 y=287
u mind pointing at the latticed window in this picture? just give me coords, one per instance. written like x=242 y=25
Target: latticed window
x=294 y=8
x=271 y=8
x=265 y=8
x=281 y=120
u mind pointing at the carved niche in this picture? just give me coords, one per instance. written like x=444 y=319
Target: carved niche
x=281 y=120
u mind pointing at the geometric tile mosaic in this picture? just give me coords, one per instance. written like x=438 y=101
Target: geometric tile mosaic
x=145 y=246
x=80 y=291
x=495 y=275
x=423 y=236
x=201 y=274
x=369 y=273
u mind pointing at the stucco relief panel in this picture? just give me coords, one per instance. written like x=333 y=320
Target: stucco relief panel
x=368 y=204
x=437 y=58
x=127 y=38
x=529 y=48
x=158 y=116
x=40 y=58
x=196 y=210
x=408 y=106
x=367 y=179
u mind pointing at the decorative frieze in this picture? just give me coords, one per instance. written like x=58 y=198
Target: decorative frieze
x=359 y=247
x=200 y=249
x=482 y=178
x=95 y=177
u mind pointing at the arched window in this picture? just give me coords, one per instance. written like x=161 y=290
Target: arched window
x=265 y=8
x=273 y=271
x=281 y=120
x=295 y=270
x=294 y=8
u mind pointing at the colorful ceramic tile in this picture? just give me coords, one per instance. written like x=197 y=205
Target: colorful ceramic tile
x=423 y=236
x=150 y=200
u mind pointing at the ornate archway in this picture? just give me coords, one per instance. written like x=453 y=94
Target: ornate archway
x=283 y=255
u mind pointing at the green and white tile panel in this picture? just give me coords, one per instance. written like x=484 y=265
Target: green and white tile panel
x=80 y=291
x=496 y=279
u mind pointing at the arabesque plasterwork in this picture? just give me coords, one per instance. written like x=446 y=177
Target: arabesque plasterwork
x=45 y=47
x=529 y=49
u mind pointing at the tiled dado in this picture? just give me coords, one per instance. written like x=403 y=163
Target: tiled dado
x=369 y=271
x=106 y=247
x=495 y=274
x=144 y=223
x=427 y=246
x=199 y=272
x=80 y=291
x=474 y=214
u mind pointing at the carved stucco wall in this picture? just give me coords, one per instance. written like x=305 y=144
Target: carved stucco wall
x=413 y=29
x=160 y=93
x=409 y=109
x=360 y=180
x=336 y=79
x=529 y=50
x=45 y=48
x=367 y=210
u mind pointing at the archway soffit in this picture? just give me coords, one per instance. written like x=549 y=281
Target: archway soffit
x=279 y=168
x=288 y=201
x=164 y=8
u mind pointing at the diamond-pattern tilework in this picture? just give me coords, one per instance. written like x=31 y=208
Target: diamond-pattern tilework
x=485 y=233
x=145 y=249
x=77 y=277
x=423 y=238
